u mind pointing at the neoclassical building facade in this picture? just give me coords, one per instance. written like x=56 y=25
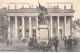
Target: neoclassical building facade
x=25 y=23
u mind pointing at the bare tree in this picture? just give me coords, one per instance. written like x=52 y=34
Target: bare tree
x=76 y=26
x=3 y=23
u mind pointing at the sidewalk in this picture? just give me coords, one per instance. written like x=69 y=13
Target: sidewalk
x=22 y=47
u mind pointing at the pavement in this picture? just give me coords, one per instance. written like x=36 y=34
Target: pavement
x=22 y=47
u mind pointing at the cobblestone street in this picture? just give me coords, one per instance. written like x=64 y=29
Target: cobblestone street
x=22 y=47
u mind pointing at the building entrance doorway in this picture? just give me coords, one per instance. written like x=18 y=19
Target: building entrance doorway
x=61 y=37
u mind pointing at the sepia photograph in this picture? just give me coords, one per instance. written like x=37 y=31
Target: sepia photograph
x=39 y=25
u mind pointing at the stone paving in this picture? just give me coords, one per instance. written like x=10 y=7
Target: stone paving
x=22 y=47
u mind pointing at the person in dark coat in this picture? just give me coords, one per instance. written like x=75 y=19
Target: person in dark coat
x=11 y=42
x=30 y=43
x=34 y=42
x=56 y=41
x=65 y=41
x=49 y=46
x=7 y=43
x=70 y=43
x=75 y=42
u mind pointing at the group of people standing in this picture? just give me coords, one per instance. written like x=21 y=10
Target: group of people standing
x=43 y=45
x=33 y=44
x=9 y=43
x=68 y=43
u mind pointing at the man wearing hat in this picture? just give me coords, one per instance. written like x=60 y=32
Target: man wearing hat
x=69 y=42
x=65 y=41
x=56 y=41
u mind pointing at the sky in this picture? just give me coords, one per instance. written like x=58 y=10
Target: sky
x=34 y=3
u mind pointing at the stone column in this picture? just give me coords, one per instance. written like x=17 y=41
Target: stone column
x=71 y=25
x=51 y=34
x=15 y=28
x=37 y=27
x=23 y=28
x=9 y=28
x=65 y=26
x=58 y=26
x=30 y=28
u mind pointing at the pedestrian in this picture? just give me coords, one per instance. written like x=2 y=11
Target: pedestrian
x=20 y=36
x=44 y=46
x=34 y=42
x=49 y=46
x=38 y=46
x=65 y=41
x=75 y=42
x=56 y=41
x=11 y=42
x=41 y=45
x=30 y=43
x=70 y=43
x=7 y=43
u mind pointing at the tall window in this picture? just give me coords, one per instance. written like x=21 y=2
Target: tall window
x=54 y=31
x=27 y=32
x=34 y=22
x=60 y=23
x=46 y=21
x=27 y=22
x=54 y=22
x=34 y=32
x=67 y=20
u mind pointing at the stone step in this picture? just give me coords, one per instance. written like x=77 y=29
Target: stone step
x=16 y=41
